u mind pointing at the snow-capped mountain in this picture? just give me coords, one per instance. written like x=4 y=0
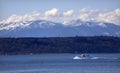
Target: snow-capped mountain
x=42 y=28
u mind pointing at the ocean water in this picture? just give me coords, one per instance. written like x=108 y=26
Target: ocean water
x=60 y=63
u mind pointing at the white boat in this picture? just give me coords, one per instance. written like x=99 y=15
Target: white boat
x=82 y=56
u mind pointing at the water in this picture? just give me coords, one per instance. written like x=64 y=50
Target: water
x=60 y=63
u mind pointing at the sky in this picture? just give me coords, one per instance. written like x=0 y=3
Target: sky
x=9 y=7
x=29 y=9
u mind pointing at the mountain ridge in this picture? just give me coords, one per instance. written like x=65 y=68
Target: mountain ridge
x=43 y=28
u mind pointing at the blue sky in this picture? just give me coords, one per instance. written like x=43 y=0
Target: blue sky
x=19 y=7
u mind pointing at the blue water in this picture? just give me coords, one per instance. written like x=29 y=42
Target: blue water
x=60 y=63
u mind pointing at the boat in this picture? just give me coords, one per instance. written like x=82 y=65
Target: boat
x=82 y=56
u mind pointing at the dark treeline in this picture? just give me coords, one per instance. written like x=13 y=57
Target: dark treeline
x=96 y=44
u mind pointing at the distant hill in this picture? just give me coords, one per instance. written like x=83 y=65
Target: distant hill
x=43 y=28
x=96 y=44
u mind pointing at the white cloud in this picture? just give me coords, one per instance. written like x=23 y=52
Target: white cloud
x=68 y=13
x=19 y=21
x=87 y=14
x=68 y=16
x=51 y=15
x=100 y=16
x=111 y=17
x=84 y=17
x=51 y=12
x=19 y=18
x=64 y=17
x=83 y=10
x=117 y=11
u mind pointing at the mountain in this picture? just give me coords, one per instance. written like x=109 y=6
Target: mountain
x=43 y=28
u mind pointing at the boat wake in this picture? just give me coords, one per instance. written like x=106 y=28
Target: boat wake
x=103 y=58
x=95 y=58
x=86 y=56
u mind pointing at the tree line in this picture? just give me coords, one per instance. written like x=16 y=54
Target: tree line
x=95 y=44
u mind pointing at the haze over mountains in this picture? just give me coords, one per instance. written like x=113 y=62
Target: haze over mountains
x=43 y=28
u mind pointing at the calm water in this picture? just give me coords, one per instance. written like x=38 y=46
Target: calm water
x=59 y=63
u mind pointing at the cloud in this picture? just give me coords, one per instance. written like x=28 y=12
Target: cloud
x=100 y=16
x=68 y=13
x=51 y=12
x=55 y=15
x=18 y=18
x=87 y=14
x=111 y=17
x=67 y=16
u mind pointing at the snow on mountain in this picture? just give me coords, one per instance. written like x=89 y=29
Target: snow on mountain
x=25 y=24
x=43 y=28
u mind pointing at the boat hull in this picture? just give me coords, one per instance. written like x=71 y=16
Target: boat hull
x=77 y=57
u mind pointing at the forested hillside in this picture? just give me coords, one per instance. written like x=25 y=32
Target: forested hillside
x=96 y=44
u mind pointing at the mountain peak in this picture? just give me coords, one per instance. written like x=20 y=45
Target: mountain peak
x=43 y=28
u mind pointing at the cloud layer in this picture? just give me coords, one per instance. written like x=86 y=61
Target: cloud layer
x=56 y=15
